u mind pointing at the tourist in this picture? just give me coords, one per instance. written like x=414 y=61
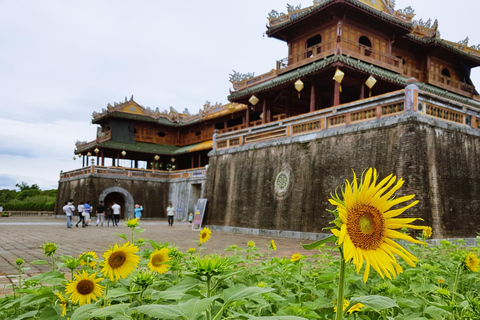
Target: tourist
x=68 y=209
x=109 y=212
x=170 y=214
x=80 y=215
x=138 y=211
x=116 y=213
x=190 y=217
x=100 y=213
x=87 y=208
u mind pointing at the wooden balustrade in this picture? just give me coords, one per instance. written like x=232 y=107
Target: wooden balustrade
x=113 y=172
x=370 y=109
x=450 y=84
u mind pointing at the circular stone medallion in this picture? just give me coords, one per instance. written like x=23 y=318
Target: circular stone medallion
x=282 y=182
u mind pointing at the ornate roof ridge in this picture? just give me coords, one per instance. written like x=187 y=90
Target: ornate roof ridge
x=296 y=15
x=457 y=47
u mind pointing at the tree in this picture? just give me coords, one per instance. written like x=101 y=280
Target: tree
x=24 y=186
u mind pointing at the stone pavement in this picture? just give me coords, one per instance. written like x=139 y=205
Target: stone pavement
x=23 y=237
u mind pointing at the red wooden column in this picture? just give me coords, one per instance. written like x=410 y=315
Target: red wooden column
x=264 y=112
x=103 y=158
x=247 y=117
x=362 y=92
x=312 y=98
x=192 y=163
x=336 y=94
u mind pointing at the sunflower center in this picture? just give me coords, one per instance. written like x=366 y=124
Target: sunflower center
x=85 y=287
x=157 y=260
x=366 y=226
x=117 y=259
x=204 y=235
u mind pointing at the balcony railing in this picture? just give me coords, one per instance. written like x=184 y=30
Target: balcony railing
x=115 y=172
x=366 y=110
x=450 y=84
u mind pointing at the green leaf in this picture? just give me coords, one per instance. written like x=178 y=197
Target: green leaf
x=239 y=293
x=137 y=231
x=375 y=302
x=157 y=311
x=39 y=262
x=84 y=312
x=279 y=318
x=51 y=313
x=36 y=299
x=26 y=315
x=110 y=311
x=196 y=308
x=118 y=293
x=333 y=238
x=121 y=235
x=436 y=312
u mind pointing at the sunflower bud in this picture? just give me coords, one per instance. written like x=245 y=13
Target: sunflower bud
x=49 y=249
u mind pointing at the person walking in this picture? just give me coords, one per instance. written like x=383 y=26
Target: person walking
x=138 y=211
x=100 y=213
x=116 y=213
x=68 y=209
x=80 y=215
x=109 y=212
x=170 y=214
x=87 y=208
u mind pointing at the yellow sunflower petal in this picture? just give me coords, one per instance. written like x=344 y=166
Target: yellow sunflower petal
x=397 y=212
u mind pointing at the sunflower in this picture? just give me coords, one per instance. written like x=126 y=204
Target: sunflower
x=205 y=235
x=251 y=244
x=272 y=245
x=355 y=307
x=296 y=257
x=88 y=259
x=63 y=303
x=472 y=262
x=427 y=232
x=158 y=260
x=120 y=261
x=49 y=249
x=192 y=250
x=132 y=223
x=85 y=288
x=367 y=224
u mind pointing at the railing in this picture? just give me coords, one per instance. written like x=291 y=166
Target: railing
x=255 y=80
x=115 y=172
x=450 y=84
x=308 y=55
x=366 y=110
x=275 y=118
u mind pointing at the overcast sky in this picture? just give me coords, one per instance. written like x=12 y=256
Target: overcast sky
x=62 y=60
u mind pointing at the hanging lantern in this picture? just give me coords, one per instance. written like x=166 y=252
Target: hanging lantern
x=173 y=167
x=261 y=115
x=89 y=154
x=74 y=158
x=370 y=83
x=253 y=100
x=156 y=157
x=231 y=108
x=299 y=86
x=96 y=150
x=124 y=153
x=79 y=155
x=339 y=77
x=173 y=160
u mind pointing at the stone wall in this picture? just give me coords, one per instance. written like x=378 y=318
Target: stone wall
x=153 y=194
x=438 y=160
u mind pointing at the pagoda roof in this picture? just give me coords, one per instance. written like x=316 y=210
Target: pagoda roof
x=381 y=9
x=356 y=64
x=145 y=147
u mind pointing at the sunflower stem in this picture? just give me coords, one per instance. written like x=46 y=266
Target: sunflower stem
x=457 y=276
x=341 y=284
x=208 y=311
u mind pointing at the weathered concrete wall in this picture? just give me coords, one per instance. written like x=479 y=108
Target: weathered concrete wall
x=153 y=194
x=439 y=161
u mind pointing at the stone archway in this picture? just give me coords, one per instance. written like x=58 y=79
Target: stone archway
x=129 y=203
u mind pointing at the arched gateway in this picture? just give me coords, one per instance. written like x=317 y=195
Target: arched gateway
x=128 y=203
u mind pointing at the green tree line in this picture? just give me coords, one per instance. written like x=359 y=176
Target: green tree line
x=28 y=198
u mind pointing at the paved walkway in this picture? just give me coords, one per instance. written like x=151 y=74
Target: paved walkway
x=23 y=237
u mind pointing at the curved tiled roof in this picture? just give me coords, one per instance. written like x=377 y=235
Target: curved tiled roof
x=354 y=63
x=354 y=2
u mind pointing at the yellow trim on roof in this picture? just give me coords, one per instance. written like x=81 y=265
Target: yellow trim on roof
x=202 y=146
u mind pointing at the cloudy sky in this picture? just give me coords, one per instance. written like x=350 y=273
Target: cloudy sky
x=62 y=60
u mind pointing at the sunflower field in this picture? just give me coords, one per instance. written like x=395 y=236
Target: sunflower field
x=144 y=279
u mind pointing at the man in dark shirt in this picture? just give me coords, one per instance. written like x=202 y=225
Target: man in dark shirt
x=100 y=213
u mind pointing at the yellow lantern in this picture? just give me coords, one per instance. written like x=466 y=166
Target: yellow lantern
x=253 y=100
x=173 y=160
x=156 y=157
x=299 y=86
x=89 y=154
x=96 y=150
x=79 y=155
x=370 y=83
x=231 y=108
x=124 y=153
x=339 y=77
x=74 y=158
